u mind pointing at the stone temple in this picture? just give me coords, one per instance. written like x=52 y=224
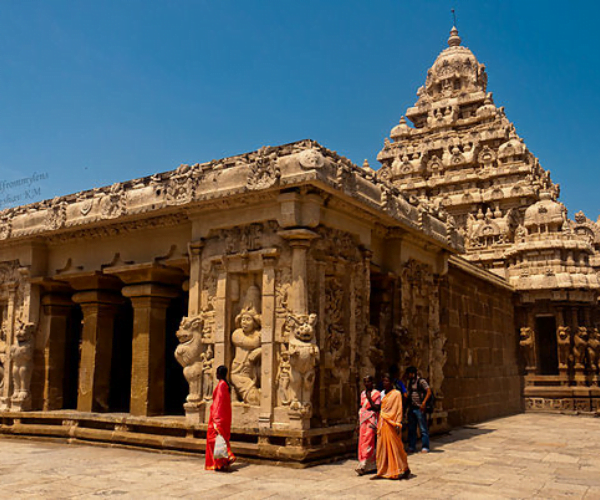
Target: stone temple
x=303 y=272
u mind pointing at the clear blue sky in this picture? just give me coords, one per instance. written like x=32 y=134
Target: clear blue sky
x=95 y=92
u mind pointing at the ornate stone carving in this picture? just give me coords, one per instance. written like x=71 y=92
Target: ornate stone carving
x=311 y=159
x=22 y=358
x=580 y=347
x=527 y=347
x=264 y=172
x=5 y=226
x=593 y=350
x=56 y=214
x=207 y=372
x=304 y=355
x=114 y=203
x=371 y=352
x=180 y=186
x=283 y=377
x=563 y=340
x=245 y=369
x=189 y=354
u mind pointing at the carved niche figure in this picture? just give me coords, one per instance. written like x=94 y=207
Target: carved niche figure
x=563 y=339
x=189 y=354
x=22 y=357
x=304 y=355
x=207 y=372
x=594 y=350
x=580 y=346
x=526 y=343
x=283 y=377
x=245 y=369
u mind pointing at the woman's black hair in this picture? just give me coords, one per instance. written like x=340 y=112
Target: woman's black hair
x=222 y=375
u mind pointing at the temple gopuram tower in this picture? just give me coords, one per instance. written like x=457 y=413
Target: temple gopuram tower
x=463 y=154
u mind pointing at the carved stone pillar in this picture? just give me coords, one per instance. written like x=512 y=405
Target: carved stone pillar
x=99 y=308
x=578 y=348
x=5 y=401
x=195 y=254
x=151 y=288
x=268 y=371
x=57 y=310
x=302 y=378
x=299 y=239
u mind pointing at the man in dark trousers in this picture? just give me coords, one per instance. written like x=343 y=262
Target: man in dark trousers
x=419 y=393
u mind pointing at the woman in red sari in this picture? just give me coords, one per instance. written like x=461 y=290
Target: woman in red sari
x=219 y=422
x=370 y=402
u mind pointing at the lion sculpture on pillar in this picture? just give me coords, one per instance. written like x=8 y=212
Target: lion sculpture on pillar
x=22 y=357
x=304 y=355
x=189 y=355
x=580 y=341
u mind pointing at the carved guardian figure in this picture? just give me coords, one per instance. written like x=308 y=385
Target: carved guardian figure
x=22 y=357
x=189 y=354
x=580 y=346
x=526 y=343
x=594 y=350
x=304 y=355
x=563 y=339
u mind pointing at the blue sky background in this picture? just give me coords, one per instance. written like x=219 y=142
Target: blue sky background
x=95 y=92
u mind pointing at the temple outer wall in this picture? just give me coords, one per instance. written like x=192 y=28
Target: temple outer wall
x=482 y=379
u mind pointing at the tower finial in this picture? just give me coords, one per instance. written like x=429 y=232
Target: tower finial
x=454 y=39
x=453 y=17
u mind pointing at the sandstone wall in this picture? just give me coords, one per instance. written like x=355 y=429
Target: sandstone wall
x=482 y=378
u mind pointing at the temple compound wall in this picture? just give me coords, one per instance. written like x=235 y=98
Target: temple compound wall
x=482 y=374
x=290 y=265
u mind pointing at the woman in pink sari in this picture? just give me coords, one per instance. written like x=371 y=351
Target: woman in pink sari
x=219 y=423
x=370 y=402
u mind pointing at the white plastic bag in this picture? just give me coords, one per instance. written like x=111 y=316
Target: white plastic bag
x=220 y=450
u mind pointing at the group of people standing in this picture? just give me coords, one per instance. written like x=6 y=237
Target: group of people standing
x=381 y=413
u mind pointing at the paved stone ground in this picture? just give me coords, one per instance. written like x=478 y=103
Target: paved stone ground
x=523 y=456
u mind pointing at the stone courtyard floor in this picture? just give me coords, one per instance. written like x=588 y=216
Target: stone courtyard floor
x=523 y=456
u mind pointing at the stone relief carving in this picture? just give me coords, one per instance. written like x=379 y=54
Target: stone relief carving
x=311 y=159
x=189 y=354
x=563 y=334
x=580 y=347
x=527 y=344
x=372 y=354
x=207 y=372
x=22 y=358
x=180 y=186
x=304 y=355
x=245 y=369
x=593 y=350
x=114 y=203
x=264 y=172
x=283 y=377
x=57 y=213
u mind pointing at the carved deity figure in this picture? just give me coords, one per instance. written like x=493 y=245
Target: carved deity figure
x=189 y=354
x=580 y=342
x=563 y=339
x=22 y=358
x=304 y=355
x=283 y=378
x=207 y=372
x=594 y=350
x=526 y=343
x=245 y=369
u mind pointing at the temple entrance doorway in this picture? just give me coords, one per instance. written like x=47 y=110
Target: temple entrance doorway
x=120 y=368
x=176 y=387
x=545 y=328
x=72 y=355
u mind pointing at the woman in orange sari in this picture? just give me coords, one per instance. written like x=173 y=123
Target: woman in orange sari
x=219 y=422
x=370 y=401
x=392 y=462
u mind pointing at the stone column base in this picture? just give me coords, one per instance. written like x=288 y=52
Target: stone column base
x=194 y=412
